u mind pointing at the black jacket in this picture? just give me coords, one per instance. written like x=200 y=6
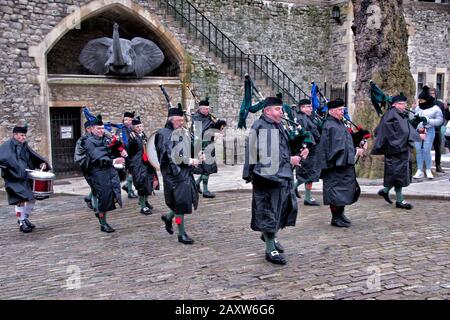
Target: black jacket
x=207 y=143
x=173 y=149
x=336 y=160
x=394 y=138
x=102 y=175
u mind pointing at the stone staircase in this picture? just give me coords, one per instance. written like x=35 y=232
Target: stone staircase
x=223 y=52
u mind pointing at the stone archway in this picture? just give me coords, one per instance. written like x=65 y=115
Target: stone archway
x=39 y=52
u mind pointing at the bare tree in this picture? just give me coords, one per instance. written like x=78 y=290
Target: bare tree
x=381 y=48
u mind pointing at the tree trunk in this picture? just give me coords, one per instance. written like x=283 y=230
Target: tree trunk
x=381 y=48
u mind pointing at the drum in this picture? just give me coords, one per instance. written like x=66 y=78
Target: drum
x=41 y=183
x=151 y=151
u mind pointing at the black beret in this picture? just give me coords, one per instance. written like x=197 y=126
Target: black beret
x=399 y=98
x=18 y=129
x=97 y=121
x=129 y=114
x=303 y=102
x=176 y=111
x=204 y=102
x=87 y=124
x=272 y=101
x=335 y=103
x=136 y=121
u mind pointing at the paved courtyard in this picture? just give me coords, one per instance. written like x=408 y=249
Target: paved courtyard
x=388 y=253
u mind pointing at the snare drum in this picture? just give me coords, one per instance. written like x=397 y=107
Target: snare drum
x=41 y=183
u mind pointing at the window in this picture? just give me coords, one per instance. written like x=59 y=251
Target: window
x=421 y=80
x=439 y=85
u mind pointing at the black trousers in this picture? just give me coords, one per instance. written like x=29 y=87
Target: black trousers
x=437 y=143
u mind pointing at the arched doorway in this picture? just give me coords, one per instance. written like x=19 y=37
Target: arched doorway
x=67 y=86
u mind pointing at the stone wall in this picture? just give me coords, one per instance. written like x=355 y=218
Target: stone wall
x=429 y=40
x=295 y=36
x=111 y=99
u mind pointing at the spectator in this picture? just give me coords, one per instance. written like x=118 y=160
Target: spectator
x=427 y=108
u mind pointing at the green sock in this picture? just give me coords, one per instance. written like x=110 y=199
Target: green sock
x=130 y=184
x=297 y=183
x=270 y=241
x=145 y=200
x=102 y=218
x=89 y=196
x=179 y=219
x=205 y=179
x=386 y=189
x=307 y=193
x=95 y=202
x=398 y=193
x=142 y=202
x=170 y=215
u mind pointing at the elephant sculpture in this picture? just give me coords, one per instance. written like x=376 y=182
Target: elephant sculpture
x=118 y=56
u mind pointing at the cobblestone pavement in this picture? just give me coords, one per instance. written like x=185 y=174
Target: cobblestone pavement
x=388 y=253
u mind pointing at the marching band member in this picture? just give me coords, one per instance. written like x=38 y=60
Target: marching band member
x=202 y=118
x=394 y=138
x=16 y=157
x=274 y=205
x=103 y=176
x=307 y=173
x=336 y=160
x=124 y=137
x=180 y=192
x=144 y=175
x=81 y=160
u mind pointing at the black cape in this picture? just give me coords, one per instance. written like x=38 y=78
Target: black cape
x=180 y=191
x=336 y=160
x=103 y=177
x=308 y=172
x=394 y=138
x=142 y=171
x=274 y=205
x=17 y=158
x=210 y=165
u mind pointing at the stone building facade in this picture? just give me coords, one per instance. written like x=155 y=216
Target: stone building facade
x=42 y=82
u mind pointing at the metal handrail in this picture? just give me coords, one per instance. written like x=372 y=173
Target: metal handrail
x=223 y=47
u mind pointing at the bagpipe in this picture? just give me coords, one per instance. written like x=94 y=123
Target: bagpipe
x=299 y=138
x=381 y=101
x=217 y=123
x=319 y=103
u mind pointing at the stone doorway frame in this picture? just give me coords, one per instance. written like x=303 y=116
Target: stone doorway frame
x=73 y=20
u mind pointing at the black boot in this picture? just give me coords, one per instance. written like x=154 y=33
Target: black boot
x=169 y=227
x=125 y=188
x=146 y=211
x=28 y=223
x=184 y=238
x=106 y=228
x=336 y=220
x=207 y=194
x=297 y=194
x=403 y=205
x=275 y=257
x=311 y=202
x=343 y=217
x=278 y=245
x=385 y=195
x=148 y=205
x=439 y=168
x=24 y=227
